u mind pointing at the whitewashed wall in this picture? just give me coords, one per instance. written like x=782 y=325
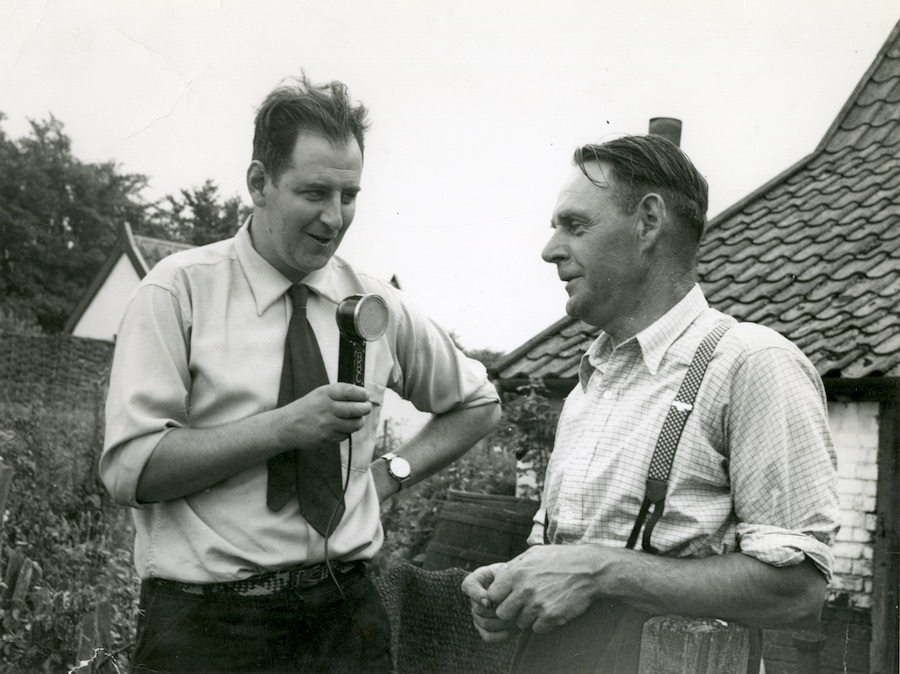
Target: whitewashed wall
x=855 y=429
x=101 y=319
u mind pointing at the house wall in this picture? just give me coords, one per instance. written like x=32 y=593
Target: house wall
x=101 y=319
x=854 y=426
x=842 y=641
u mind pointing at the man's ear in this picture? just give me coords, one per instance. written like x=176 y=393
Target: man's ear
x=651 y=216
x=256 y=182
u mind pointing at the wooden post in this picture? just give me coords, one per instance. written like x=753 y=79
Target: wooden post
x=94 y=636
x=675 y=645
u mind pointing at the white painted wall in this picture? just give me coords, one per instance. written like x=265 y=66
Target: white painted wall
x=101 y=319
x=855 y=430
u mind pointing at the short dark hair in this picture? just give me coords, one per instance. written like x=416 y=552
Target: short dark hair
x=642 y=164
x=302 y=106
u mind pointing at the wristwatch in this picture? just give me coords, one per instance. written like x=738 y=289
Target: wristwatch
x=398 y=467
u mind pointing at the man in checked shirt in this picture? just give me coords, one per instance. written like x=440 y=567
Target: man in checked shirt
x=751 y=508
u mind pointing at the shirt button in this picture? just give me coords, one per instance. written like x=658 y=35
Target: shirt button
x=607 y=395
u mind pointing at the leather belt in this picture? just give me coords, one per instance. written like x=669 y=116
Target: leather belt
x=265 y=583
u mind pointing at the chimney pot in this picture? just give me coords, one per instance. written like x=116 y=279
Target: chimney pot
x=667 y=127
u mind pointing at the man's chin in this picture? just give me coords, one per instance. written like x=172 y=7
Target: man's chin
x=310 y=264
x=579 y=311
x=573 y=308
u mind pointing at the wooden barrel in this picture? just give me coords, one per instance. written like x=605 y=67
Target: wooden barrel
x=477 y=529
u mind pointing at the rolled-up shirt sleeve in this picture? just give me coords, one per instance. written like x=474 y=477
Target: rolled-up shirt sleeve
x=148 y=388
x=782 y=461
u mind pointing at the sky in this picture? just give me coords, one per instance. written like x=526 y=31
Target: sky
x=476 y=107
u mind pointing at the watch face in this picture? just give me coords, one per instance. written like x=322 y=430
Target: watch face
x=399 y=467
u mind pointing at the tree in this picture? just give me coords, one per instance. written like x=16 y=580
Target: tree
x=59 y=218
x=198 y=216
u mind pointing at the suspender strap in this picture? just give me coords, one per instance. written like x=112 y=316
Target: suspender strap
x=664 y=454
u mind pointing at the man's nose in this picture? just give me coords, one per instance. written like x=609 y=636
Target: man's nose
x=554 y=251
x=332 y=214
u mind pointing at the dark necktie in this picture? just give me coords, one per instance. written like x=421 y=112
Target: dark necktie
x=314 y=475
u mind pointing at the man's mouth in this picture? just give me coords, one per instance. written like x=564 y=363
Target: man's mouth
x=322 y=240
x=569 y=281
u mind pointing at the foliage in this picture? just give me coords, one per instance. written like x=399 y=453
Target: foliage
x=58 y=220
x=197 y=216
x=525 y=434
x=12 y=322
x=59 y=516
x=60 y=217
x=527 y=429
x=410 y=516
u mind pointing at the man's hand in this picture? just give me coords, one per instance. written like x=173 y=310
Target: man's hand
x=326 y=415
x=547 y=586
x=491 y=628
x=550 y=585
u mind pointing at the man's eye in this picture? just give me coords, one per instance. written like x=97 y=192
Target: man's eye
x=347 y=199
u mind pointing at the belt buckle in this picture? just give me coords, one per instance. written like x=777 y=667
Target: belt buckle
x=298 y=579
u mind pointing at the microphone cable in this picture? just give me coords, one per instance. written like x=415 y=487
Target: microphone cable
x=334 y=512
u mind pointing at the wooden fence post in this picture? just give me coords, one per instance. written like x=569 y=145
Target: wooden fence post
x=94 y=636
x=675 y=645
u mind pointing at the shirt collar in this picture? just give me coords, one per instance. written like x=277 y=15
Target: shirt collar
x=654 y=340
x=268 y=285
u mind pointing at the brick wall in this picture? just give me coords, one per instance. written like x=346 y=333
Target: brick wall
x=841 y=644
x=855 y=430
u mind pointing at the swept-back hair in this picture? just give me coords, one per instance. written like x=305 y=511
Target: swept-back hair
x=301 y=106
x=643 y=164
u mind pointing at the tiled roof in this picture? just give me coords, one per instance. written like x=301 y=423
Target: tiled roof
x=154 y=250
x=814 y=253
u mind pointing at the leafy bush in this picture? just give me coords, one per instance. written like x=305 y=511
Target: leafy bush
x=59 y=516
x=525 y=434
x=410 y=516
x=527 y=430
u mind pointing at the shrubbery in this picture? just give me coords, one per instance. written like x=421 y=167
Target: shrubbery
x=59 y=516
x=410 y=516
x=524 y=434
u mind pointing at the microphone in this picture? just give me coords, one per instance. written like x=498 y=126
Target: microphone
x=360 y=319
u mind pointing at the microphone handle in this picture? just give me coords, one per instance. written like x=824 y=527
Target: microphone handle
x=352 y=361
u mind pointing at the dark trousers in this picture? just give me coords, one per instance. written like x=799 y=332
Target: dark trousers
x=313 y=629
x=606 y=639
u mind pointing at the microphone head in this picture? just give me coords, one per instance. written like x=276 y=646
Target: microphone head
x=362 y=317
